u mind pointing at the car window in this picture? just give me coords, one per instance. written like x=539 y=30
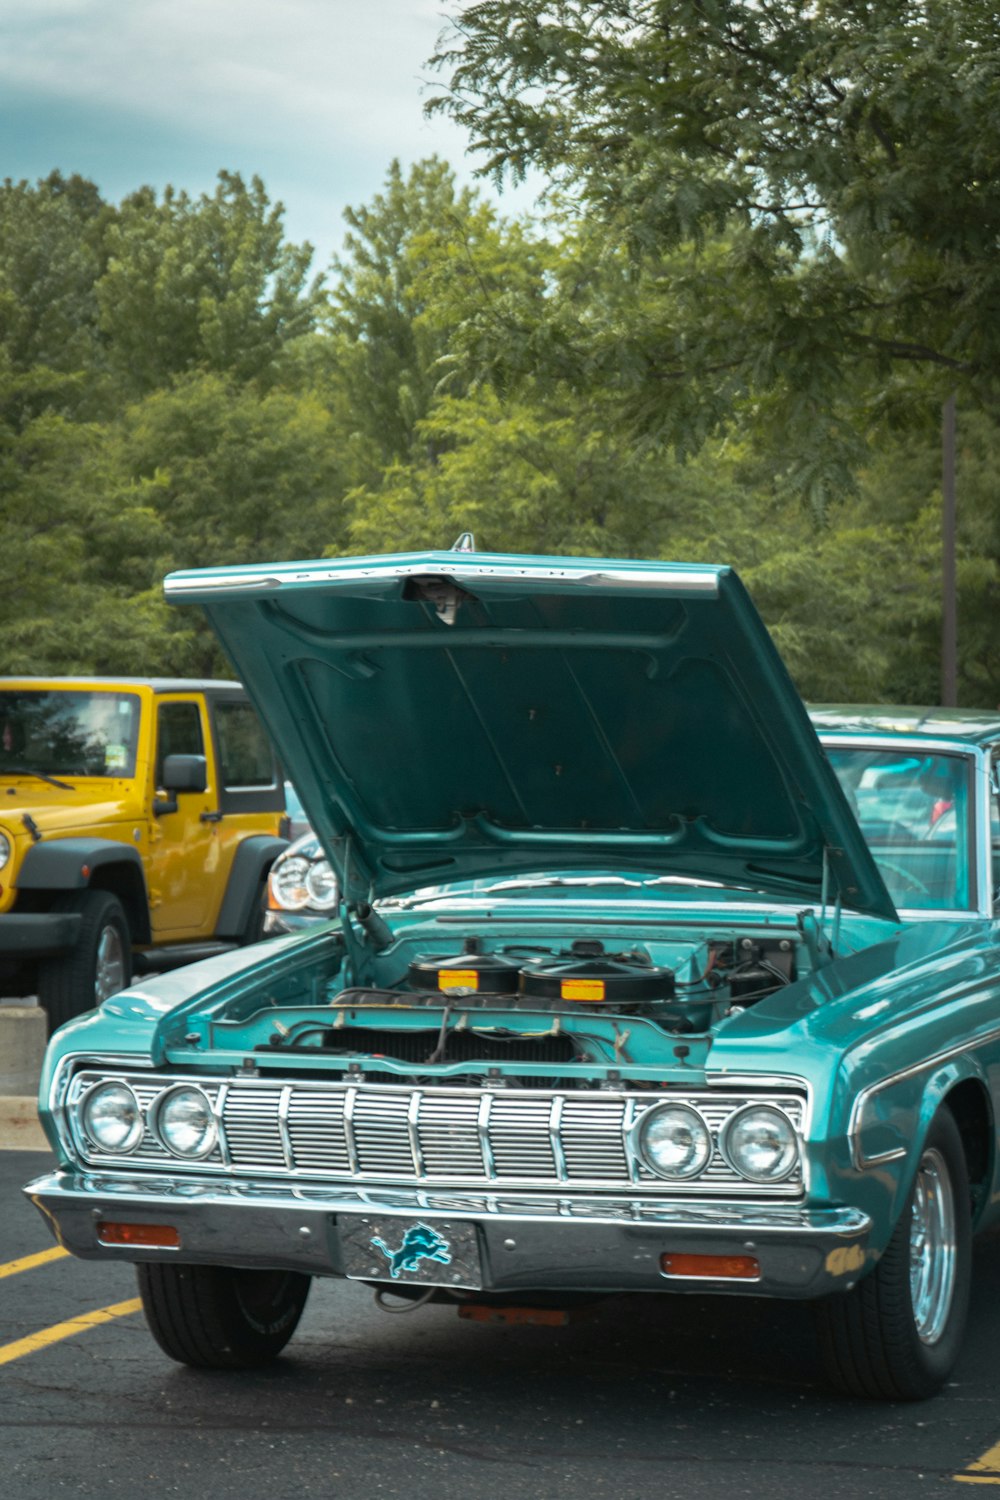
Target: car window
x=178 y=733
x=72 y=733
x=915 y=812
x=245 y=756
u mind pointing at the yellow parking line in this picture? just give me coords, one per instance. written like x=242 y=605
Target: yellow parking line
x=46 y=1336
x=29 y=1262
x=985 y=1470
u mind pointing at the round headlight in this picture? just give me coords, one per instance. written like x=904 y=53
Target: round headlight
x=321 y=883
x=112 y=1118
x=760 y=1142
x=288 y=883
x=4 y=849
x=675 y=1141
x=185 y=1123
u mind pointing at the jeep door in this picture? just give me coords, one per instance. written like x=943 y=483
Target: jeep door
x=185 y=853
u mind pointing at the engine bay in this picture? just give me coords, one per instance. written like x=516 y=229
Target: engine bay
x=533 y=1009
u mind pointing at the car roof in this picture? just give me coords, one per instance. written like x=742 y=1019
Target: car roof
x=966 y=726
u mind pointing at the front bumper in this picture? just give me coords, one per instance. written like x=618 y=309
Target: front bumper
x=527 y=1242
x=38 y=934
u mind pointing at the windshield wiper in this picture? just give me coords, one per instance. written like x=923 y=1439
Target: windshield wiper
x=41 y=775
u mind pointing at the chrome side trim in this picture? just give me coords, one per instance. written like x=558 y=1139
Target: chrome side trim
x=880 y=1159
x=914 y=1070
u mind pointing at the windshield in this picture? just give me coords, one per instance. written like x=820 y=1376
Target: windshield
x=914 y=810
x=73 y=733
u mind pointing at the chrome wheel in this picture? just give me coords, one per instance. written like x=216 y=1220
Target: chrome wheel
x=896 y=1335
x=932 y=1247
x=110 y=971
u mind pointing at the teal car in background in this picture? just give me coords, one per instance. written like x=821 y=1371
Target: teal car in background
x=642 y=980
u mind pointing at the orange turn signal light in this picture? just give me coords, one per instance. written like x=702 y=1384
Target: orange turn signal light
x=712 y=1267
x=144 y=1236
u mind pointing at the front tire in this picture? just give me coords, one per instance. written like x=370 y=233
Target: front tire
x=100 y=965
x=220 y=1318
x=897 y=1334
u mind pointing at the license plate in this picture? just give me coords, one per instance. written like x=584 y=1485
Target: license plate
x=425 y=1252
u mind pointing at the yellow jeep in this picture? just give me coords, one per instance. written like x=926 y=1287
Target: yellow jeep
x=138 y=821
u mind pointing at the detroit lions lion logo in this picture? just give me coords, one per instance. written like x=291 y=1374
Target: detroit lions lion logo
x=420 y=1242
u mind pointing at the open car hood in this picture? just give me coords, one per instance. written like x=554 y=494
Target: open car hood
x=453 y=715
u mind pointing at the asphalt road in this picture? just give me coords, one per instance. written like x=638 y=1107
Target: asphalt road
x=677 y=1396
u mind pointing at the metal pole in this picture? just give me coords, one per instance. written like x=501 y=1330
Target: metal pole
x=949 y=591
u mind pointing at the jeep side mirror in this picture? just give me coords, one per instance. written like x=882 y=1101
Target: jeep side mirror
x=185 y=773
x=181 y=773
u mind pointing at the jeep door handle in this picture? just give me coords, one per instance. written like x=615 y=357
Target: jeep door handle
x=210 y=817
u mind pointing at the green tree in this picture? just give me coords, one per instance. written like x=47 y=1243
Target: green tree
x=416 y=258
x=536 y=474
x=203 y=284
x=228 y=474
x=51 y=255
x=68 y=566
x=808 y=195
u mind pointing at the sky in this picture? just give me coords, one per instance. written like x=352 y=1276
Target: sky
x=315 y=96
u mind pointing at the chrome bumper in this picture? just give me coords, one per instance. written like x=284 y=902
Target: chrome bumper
x=527 y=1242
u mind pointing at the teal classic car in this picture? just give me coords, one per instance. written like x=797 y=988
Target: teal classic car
x=637 y=983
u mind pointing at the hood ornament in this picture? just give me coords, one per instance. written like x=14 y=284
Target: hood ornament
x=465 y=543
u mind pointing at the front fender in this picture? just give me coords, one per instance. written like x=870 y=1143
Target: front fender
x=251 y=862
x=69 y=864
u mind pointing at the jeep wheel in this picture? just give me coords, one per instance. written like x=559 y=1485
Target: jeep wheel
x=896 y=1335
x=100 y=965
x=219 y=1318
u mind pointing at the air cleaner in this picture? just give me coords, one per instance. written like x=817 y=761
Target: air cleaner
x=472 y=969
x=586 y=974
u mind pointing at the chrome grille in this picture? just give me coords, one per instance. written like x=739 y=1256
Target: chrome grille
x=250 y=1126
x=520 y=1138
x=316 y=1132
x=455 y=1137
x=593 y=1139
x=448 y=1136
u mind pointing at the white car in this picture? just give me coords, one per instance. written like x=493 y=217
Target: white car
x=302 y=888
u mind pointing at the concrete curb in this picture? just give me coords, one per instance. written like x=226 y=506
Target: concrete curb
x=19 y=1127
x=22 y=1045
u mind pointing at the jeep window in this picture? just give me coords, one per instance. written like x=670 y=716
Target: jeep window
x=178 y=733
x=915 y=812
x=245 y=756
x=68 y=732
